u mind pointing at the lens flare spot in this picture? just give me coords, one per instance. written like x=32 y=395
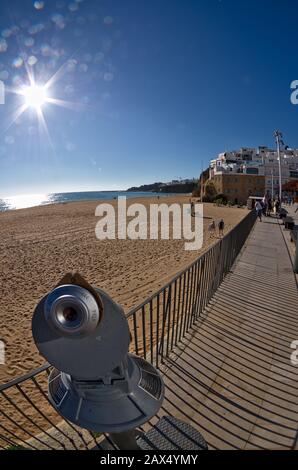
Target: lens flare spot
x=3 y=45
x=32 y=60
x=18 y=62
x=39 y=5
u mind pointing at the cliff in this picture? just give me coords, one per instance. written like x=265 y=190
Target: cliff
x=165 y=188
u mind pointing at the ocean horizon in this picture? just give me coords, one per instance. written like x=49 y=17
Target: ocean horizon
x=35 y=200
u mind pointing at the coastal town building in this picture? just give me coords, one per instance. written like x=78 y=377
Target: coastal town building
x=238 y=187
x=261 y=168
x=291 y=189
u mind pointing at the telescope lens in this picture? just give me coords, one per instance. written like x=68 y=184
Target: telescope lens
x=70 y=314
x=72 y=310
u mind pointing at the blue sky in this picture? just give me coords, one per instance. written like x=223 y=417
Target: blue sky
x=154 y=89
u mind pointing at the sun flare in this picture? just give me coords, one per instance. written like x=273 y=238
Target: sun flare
x=35 y=96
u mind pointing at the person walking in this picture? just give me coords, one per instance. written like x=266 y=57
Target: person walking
x=265 y=205
x=212 y=228
x=259 y=210
x=269 y=207
x=192 y=208
x=276 y=207
x=221 y=227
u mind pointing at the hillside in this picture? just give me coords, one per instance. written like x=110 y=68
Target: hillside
x=173 y=187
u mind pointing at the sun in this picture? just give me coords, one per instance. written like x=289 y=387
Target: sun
x=35 y=96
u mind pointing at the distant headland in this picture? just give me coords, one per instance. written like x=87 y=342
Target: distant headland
x=175 y=186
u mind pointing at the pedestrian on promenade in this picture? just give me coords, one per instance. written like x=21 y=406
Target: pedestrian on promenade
x=212 y=228
x=265 y=205
x=221 y=227
x=269 y=207
x=259 y=210
x=192 y=207
x=276 y=206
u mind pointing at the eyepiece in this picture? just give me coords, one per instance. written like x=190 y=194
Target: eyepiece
x=70 y=315
x=72 y=310
x=80 y=330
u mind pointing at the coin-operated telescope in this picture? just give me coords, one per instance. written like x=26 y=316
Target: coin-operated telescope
x=96 y=383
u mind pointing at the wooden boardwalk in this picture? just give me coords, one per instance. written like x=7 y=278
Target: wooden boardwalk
x=232 y=378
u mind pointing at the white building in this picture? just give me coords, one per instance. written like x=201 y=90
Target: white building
x=261 y=161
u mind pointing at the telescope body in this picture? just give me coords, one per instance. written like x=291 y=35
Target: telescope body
x=95 y=383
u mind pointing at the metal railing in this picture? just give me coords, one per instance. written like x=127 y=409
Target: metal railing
x=27 y=418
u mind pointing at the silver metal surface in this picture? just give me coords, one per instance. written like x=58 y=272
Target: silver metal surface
x=72 y=311
x=85 y=348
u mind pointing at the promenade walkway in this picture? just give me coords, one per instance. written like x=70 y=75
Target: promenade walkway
x=232 y=379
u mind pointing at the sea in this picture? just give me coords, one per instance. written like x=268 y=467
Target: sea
x=33 y=200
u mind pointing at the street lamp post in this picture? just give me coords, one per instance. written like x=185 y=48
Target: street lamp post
x=278 y=137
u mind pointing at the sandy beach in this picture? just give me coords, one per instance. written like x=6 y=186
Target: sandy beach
x=39 y=245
